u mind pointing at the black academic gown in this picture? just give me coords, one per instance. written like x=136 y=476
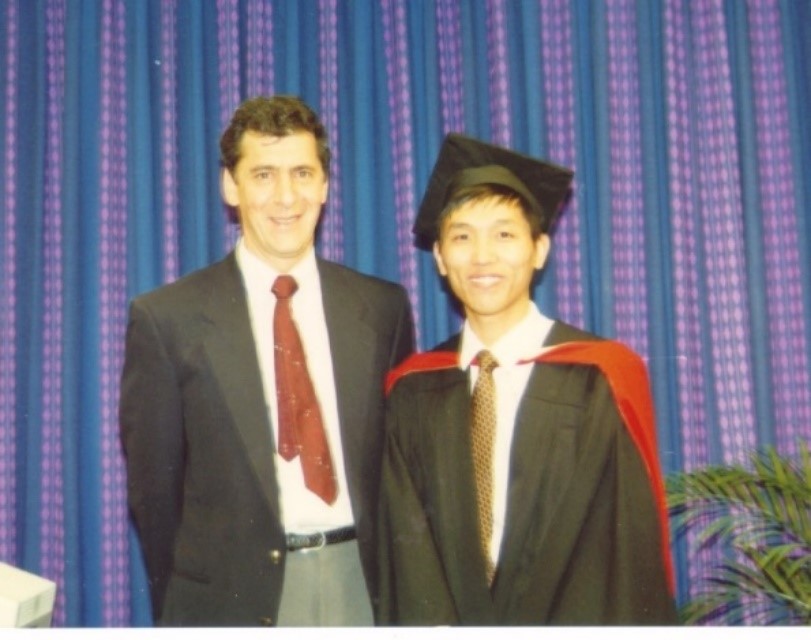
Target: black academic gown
x=583 y=539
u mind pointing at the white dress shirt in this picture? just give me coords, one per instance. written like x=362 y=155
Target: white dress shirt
x=302 y=510
x=522 y=342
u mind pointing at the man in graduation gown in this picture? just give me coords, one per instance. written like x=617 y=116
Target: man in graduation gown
x=559 y=518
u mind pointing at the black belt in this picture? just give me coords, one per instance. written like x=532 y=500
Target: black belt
x=299 y=541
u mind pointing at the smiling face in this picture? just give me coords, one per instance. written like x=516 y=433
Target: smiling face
x=487 y=252
x=278 y=186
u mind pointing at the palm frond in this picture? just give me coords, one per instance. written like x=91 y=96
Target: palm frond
x=739 y=593
x=760 y=519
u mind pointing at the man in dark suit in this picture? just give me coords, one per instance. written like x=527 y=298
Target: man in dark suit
x=242 y=518
x=520 y=482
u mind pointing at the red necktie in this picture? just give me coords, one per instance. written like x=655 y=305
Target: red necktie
x=301 y=430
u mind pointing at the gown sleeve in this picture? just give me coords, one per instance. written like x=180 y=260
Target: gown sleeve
x=413 y=587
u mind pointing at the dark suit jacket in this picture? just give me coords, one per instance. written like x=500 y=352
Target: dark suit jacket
x=582 y=543
x=199 y=445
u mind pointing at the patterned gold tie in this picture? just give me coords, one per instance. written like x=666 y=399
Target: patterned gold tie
x=482 y=436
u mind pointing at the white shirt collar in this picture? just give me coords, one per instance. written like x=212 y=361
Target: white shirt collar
x=260 y=275
x=524 y=341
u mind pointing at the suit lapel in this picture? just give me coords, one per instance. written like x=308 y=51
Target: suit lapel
x=542 y=460
x=541 y=466
x=352 y=344
x=231 y=350
x=553 y=477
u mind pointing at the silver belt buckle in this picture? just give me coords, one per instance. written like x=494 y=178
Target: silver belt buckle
x=322 y=542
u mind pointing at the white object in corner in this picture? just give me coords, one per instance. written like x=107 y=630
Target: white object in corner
x=26 y=600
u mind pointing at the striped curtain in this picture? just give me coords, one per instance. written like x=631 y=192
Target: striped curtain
x=685 y=236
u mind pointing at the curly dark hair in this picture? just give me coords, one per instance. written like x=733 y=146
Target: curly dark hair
x=274 y=116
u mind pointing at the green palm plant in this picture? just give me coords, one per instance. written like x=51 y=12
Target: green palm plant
x=761 y=519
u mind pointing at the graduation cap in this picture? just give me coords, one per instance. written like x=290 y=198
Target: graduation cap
x=467 y=162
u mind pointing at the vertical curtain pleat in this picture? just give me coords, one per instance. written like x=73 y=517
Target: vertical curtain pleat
x=685 y=234
x=52 y=516
x=626 y=177
x=778 y=231
x=658 y=274
x=330 y=237
x=498 y=75
x=443 y=87
x=719 y=190
x=78 y=219
x=259 y=49
x=591 y=88
x=395 y=36
x=795 y=41
x=168 y=177
x=691 y=340
x=557 y=54
x=357 y=133
x=30 y=252
x=111 y=283
x=229 y=86
x=8 y=322
x=201 y=221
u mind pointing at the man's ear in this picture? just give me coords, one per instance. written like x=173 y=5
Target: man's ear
x=543 y=244
x=228 y=187
x=440 y=264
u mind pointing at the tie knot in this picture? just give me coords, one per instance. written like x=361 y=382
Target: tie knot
x=284 y=287
x=486 y=360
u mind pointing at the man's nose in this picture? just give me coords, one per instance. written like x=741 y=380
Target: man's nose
x=285 y=189
x=482 y=250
